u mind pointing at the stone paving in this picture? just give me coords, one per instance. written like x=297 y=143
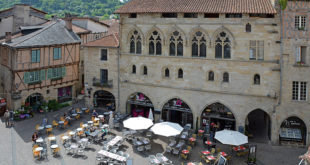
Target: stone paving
x=16 y=148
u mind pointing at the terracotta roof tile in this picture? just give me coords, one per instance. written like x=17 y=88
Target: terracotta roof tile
x=110 y=40
x=197 y=6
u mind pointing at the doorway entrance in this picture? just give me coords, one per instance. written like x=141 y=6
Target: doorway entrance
x=104 y=99
x=258 y=126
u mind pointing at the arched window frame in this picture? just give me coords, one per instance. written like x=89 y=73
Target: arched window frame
x=144 y=70
x=222 y=45
x=134 y=69
x=256 y=79
x=135 y=44
x=180 y=73
x=155 y=39
x=167 y=73
x=211 y=76
x=199 y=39
x=176 y=44
x=248 y=28
x=225 y=77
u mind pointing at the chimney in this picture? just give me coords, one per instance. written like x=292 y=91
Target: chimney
x=68 y=20
x=8 y=37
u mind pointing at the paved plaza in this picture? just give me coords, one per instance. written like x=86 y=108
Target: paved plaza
x=16 y=147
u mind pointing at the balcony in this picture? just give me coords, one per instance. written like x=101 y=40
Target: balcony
x=104 y=84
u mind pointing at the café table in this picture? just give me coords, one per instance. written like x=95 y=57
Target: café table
x=39 y=140
x=54 y=146
x=90 y=122
x=239 y=148
x=208 y=142
x=85 y=125
x=48 y=126
x=79 y=129
x=96 y=119
x=61 y=123
x=211 y=157
x=100 y=116
x=51 y=138
x=192 y=139
x=185 y=151
x=191 y=163
x=95 y=133
x=206 y=152
x=114 y=141
x=223 y=154
x=65 y=137
x=84 y=140
x=112 y=155
x=71 y=133
x=74 y=115
x=39 y=149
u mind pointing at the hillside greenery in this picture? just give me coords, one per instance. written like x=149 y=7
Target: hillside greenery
x=91 y=8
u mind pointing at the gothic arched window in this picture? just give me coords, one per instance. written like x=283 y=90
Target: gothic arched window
x=144 y=70
x=211 y=76
x=256 y=79
x=199 y=45
x=248 y=27
x=155 y=43
x=135 y=43
x=180 y=73
x=134 y=69
x=225 y=77
x=167 y=74
x=222 y=46
x=176 y=44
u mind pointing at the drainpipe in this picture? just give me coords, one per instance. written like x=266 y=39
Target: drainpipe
x=281 y=70
x=118 y=65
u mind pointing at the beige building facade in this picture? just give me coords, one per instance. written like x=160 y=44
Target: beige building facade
x=201 y=67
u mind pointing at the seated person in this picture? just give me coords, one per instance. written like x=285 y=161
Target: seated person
x=87 y=132
x=104 y=132
x=35 y=136
x=92 y=129
x=95 y=114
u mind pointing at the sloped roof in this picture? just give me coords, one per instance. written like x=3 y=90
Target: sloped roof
x=43 y=12
x=111 y=40
x=79 y=30
x=55 y=33
x=197 y=6
x=113 y=25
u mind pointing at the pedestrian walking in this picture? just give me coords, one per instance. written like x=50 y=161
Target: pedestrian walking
x=7 y=118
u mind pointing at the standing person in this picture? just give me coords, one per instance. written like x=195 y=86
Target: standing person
x=6 y=118
x=35 y=136
x=95 y=114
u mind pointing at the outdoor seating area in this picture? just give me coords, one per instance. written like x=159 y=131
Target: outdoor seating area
x=88 y=131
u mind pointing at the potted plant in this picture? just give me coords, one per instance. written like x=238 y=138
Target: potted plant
x=301 y=28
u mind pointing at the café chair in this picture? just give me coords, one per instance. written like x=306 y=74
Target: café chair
x=55 y=124
x=49 y=130
x=37 y=127
x=212 y=150
x=56 y=151
x=77 y=116
x=66 y=124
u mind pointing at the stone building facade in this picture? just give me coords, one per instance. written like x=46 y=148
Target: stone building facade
x=101 y=72
x=202 y=64
x=292 y=113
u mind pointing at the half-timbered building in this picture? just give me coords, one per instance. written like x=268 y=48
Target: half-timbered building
x=40 y=65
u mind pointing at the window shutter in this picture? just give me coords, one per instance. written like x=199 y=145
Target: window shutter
x=55 y=53
x=298 y=54
x=42 y=75
x=49 y=73
x=26 y=77
x=33 y=56
x=63 y=72
x=38 y=55
x=59 y=53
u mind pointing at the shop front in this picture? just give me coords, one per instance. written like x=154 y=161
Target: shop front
x=104 y=99
x=2 y=106
x=177 y=111
x=218 y=114
x=139 y=105
x=293 y=130
x=64 y=94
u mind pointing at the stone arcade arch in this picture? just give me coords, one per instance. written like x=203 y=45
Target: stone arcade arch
x=105 y=99
x=218 y=114
x=177 y=111
x=293 y=131
x=138 y=104
x=258 y=126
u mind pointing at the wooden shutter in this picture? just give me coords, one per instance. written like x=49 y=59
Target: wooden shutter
x=298 y=58
x=33 y=56
x=49 y=73
x=59 y=53
x=42 y=75
x=26 y=77
x=63 y=73
x=55 y=51
x=38 y=55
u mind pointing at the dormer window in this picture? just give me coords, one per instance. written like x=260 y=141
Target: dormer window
x=133 y=15
x=169 y=15
x=235 y=15
x=190 y=15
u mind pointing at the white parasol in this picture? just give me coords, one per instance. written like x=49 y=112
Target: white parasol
x=231 y=137
x=138 y=123
x=167 y=129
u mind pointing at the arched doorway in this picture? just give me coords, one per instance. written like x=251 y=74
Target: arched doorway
x=177 y=111
x=138 y=104
x=293 y=131
x=104 y=99
x=258 y=126
x=218 y=114
x=34 y=101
